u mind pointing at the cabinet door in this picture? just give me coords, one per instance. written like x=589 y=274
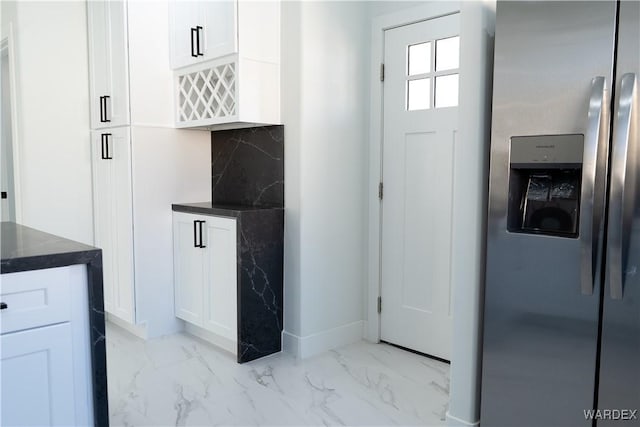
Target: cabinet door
x=189 y=269
x=202 y=30
x=37 y=377
x=108 y=63
x=118 y=105
x=99 y=47
x=220 y=314
x=113 y=215
x=183 y=19
x=219 y=21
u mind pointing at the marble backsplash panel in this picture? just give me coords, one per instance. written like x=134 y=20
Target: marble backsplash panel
x=247 y=166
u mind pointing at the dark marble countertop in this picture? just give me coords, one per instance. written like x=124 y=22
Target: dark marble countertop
x=209 y=208
x=25 y=248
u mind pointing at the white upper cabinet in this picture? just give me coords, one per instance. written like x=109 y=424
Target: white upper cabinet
x=108 y=63
x=201 y=31
x=227 y=60
x=131 y=82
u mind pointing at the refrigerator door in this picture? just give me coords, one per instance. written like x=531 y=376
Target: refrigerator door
x=619 y=388
x=552 y=76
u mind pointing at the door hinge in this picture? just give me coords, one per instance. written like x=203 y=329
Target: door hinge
x=379 y=304
x=381 y=72
x=380 y=191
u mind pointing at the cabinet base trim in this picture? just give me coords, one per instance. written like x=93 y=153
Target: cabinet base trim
x=138 y=330
x=311 y=345
x=215 y=339
x=458 y=422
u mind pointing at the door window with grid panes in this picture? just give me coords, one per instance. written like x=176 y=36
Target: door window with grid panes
x=432 y=74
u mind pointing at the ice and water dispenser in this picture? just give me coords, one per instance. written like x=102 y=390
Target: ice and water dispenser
x=545 y=184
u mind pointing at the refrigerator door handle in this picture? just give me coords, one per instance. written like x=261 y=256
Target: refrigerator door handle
x=620 y=168
x=595 y=135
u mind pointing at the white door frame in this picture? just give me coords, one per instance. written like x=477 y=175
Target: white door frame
x=477 y=26
x=380 y=24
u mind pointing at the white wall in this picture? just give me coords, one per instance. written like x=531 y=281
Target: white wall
x=378 y=8
x=53 y=116
x=324 y=107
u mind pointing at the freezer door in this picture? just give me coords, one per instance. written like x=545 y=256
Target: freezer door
x=552 y=77
x=619 y=390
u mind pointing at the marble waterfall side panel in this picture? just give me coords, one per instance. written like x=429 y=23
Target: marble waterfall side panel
x=260 y=283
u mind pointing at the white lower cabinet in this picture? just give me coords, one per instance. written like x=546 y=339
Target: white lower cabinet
x=113 y=210
x=45 y=364
x=37 y=365
x=205 y=266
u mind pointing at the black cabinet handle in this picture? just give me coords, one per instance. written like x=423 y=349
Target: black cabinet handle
x=198 y=51
x=102 y=145
x=197 y=239
x=194 y=53
x=103 y=109
x=3 y=305
x=201 y=245
x=195 y=234
x=106 y=110
x=105 y=146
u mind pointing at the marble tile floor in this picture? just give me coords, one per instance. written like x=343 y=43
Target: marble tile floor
x=180 y=380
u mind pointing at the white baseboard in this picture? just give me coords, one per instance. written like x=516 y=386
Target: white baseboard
x=215 y=339
x=311 y=345
x=138 y=330
x=457 y=422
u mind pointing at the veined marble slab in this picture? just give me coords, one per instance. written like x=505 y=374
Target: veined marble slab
x=180 y=380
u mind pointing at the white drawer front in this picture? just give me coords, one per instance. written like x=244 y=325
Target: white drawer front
x=34 y=298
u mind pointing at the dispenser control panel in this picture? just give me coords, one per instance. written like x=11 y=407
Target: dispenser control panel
x=526 y=151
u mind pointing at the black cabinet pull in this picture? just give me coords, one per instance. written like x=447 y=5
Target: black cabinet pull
x=108 y=149
x=106 y=110
x=197 y=239
x=201 y=224
x=3 y=305
x=198 y=51
x=102 y=144
x=105 y=146
x=194 y=53
x=195 y=234
x=103 y=109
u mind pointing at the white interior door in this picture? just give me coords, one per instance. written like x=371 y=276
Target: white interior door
x=420 y=122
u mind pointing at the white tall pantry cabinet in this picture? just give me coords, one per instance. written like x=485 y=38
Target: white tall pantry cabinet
x=141 y=164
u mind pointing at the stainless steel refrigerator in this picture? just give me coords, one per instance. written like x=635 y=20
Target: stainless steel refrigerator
x=562 y=299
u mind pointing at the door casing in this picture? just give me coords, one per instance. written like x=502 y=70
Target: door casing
x=380 y=24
